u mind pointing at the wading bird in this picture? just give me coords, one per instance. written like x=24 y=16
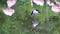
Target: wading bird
x=35 y=11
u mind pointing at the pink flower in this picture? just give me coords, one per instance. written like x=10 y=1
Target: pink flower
x=8 y=11
x=49 y=3
x=10 y=3
x=58 y=3
x=55 y=8
x=38 y=2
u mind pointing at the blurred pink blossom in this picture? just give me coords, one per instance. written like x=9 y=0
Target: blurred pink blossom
x=10 y=3
x=49 y=3
x=58 y=3
x=38 y=2
x=55 y=8
x=8 y=11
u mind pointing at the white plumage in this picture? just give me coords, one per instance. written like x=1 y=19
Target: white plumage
x=35 y=11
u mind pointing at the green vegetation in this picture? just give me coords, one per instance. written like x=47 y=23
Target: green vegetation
x=21 y=21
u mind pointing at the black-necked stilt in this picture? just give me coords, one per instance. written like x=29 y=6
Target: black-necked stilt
x=35 y=11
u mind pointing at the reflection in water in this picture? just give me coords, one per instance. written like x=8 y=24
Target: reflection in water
x=35 y=23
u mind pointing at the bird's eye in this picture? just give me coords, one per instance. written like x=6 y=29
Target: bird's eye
x=36 y=9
